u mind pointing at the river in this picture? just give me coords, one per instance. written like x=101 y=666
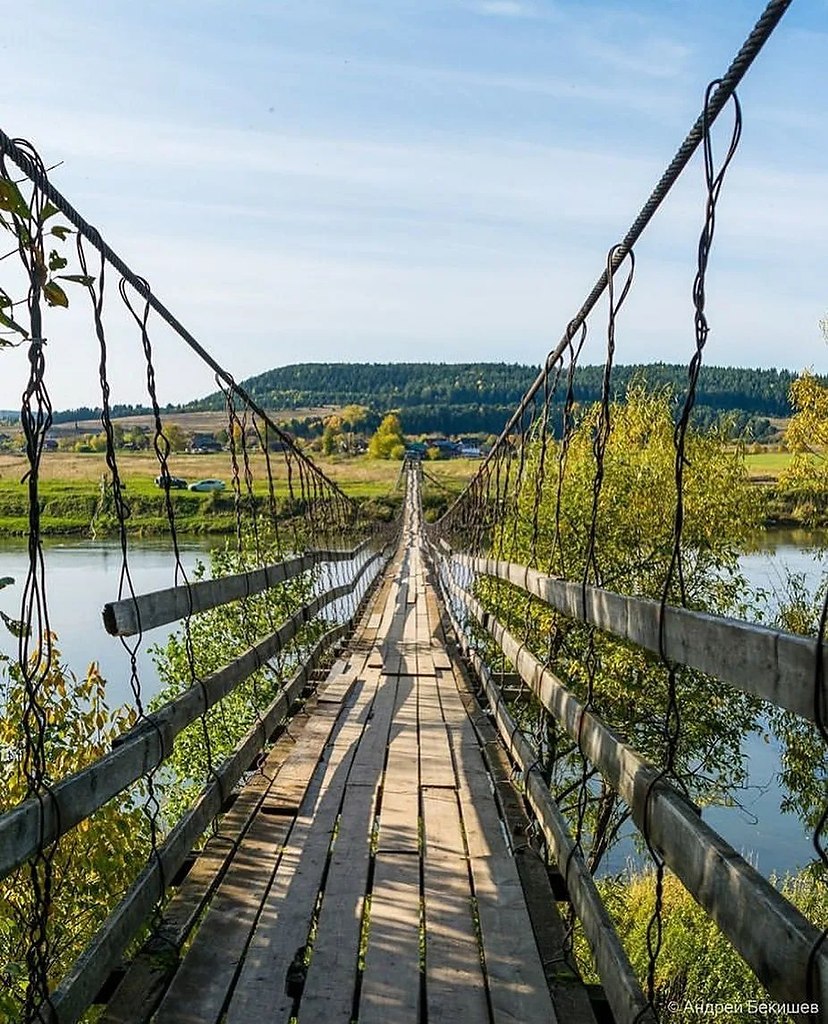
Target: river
x=83 y=575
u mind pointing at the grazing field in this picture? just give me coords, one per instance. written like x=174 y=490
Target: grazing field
x=75 y=498
x=767 y=465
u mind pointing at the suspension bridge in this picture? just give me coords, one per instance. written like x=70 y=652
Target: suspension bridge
x=401 y=825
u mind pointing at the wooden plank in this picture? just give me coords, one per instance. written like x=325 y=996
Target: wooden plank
x=147 y=976
x=338 y=689
x=517 y=985
x=289 y=787
x=751 y=912
x=747 y=908
x=620 y=983
x=440 y=657
x=136 y=752
x=328 y=997
x=288 y=909
x=391 y=983
x=143 y=748
x=771 y=664
x=88 y=973
x=144 y=612
x=569 y=995
x=400 y=810
x=455 y=985
x=369 y=760
x=436 y=766
x=202 y=983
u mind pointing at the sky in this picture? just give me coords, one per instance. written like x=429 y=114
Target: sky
x=417 y=180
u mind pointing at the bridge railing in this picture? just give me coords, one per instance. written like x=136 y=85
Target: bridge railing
x=299 y=539
x=41 y=821
x=783 y=948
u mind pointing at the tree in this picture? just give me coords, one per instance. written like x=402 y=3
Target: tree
x=633 y=547
x=353 y=416
x=805 y=479
x=176 y=436
x=388 y=436
x=329 y=440
x=95 y=862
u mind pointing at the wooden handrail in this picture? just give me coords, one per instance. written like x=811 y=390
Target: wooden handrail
x=771 y=934
x=629 y=1006
x=78 y=989
x=768 y=663
x=39 y=821
x=160 y=607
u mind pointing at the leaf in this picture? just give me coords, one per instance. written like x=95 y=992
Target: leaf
x=56 y=261
x=78 y=279
x=48 y=211
x=6 y=321
x=61 y=231
x=11 y=198
x=54 y=294
x=14 y=626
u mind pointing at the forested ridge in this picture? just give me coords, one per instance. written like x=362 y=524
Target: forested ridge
x=468 y=397
x=455 y=398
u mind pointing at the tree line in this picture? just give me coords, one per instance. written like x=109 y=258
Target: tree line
x=478 y=398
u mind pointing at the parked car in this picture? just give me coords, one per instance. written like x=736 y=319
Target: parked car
x=207 y=485
x=176 y=482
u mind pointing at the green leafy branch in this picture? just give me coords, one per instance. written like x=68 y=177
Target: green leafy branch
x=26 y=220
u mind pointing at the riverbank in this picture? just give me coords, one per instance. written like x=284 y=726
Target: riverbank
x=76 y=499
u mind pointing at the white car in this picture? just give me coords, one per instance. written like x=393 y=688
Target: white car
x=207 y=485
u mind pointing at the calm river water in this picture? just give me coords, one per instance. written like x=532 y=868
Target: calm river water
x=83 y=576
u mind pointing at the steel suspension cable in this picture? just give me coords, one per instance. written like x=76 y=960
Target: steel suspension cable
x=36 y=173
x=725 y=88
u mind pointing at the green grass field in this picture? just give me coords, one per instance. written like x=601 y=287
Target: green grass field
x=70 y=489
x=768 y=465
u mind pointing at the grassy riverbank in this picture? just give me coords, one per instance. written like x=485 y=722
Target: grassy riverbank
x=697 y=964
x=74 y=502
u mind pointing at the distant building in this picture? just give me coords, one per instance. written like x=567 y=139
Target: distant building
x=204 y=443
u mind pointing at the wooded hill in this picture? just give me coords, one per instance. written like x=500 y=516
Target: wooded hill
x=456 y=398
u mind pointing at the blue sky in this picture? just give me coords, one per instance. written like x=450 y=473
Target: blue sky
x=419 y=180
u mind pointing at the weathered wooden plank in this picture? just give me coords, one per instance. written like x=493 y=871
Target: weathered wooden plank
x=399 y=816
x=771 y=664
x=774 y=938
x=369 y=760
x=143 y=612
x=143 y=748
x=569 y=996
x=443 y=834
x=138 y=994
x=455 y=985
x=517 y=985
x=328 y=996
x=200 y=986
x=391 y=983
x=88 y=973
x=624 y=993
x=286 y=914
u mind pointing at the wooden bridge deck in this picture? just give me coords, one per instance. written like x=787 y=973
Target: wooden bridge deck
x=375 y=879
